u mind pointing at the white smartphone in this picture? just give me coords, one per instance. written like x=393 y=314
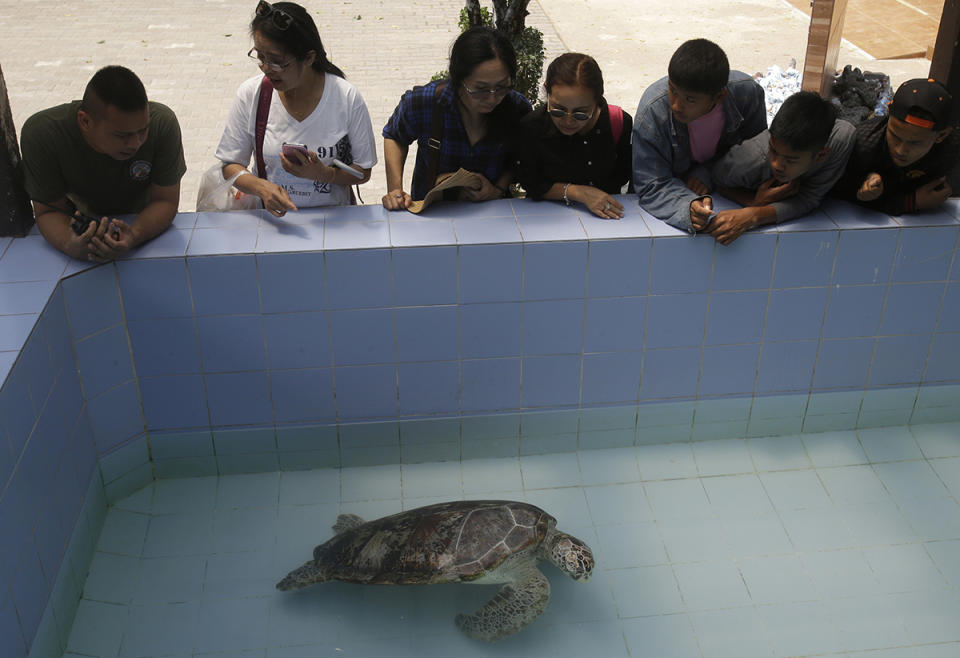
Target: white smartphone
x=347 y=168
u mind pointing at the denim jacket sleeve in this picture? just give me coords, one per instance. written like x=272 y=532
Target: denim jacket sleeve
x=657 y=161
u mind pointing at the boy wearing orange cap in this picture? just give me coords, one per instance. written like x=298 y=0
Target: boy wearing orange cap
x=908 y=161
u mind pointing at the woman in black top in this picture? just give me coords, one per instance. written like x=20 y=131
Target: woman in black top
x=576 y=148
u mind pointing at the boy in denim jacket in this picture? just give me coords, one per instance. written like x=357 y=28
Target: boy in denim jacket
x=690 y=117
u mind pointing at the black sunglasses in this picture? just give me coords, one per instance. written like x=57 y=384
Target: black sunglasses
x=281 y=19
x=576 y=116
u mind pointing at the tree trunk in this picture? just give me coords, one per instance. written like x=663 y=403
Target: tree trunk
x=16 y=216
x=473 y=13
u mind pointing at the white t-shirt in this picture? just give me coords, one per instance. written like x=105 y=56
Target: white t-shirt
x=339 y=127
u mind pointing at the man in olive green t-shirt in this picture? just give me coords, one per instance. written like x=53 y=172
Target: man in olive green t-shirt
x=111 y=153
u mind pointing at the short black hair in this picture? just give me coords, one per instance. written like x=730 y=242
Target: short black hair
x=476 y=46
x=804 y=122
x=117 y=86
x=700 y=66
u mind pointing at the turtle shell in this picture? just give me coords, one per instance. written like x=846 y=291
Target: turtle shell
x=442 y=543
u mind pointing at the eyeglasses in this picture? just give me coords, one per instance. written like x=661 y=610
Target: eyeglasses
x=263 y=62
x=281 y=19
x=499 y=90
x=576 y=116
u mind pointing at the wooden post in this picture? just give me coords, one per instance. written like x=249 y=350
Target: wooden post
x=16 y=215
x=823 y=45
x=945 y=64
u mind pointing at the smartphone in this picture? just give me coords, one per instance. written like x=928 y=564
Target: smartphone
x=81 y=221
x=295 y=151
x=347 y=168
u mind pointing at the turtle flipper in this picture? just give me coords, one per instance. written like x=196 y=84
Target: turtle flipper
x=515 y=605
x=347 y=522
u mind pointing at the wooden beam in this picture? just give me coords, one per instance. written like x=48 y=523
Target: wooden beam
x=823 y=45
x=16 y=214
x=945 y=64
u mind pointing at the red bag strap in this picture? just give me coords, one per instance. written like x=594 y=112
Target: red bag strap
x=263 y=111
x=616 y=121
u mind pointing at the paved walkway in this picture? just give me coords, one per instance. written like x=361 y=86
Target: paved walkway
x=190 y=54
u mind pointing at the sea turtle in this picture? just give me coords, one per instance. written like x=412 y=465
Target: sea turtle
x=483 y=541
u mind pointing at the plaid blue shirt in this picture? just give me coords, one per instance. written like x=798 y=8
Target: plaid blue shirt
x=413 y=118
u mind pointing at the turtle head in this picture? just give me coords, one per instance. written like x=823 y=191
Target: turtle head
x=310 y=573
x=568 y=554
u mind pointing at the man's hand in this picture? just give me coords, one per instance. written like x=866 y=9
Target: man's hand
x=696 y=185
x=116 y=240
x=932 y=194
x=770 y=192
x=728 y=225
x=871 y=189
x=700 y=213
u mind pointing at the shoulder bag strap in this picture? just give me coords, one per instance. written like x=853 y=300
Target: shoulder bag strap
x=263 y=111
x=436 y=136
x=616 y=121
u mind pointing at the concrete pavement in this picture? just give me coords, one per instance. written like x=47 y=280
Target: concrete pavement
x=191 y=54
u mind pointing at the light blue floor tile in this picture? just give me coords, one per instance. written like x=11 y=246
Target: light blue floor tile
x=490 y=475
x=599 y=638
x=630 y=545
x=910 y=480
x=761 y=535
x=941 y=440
x=173 y=535
x=240 y=575
x=139 y=501
x=799 y=629
x=737 y=496
x=669 y=636
x=543 y=471
x=646 y=591
x=170 y=580
x=877 y=523
x=905 y=568
x=246 y=529
x=732 y=633
x=310 y=487
x=795 y=489
x=711 y=585
x=816 y=528
x=779 y=453
x=666 y=461
x=608 y=466
x=431 y=479
x=618 y=503
x=946 y=555
x=777 y=579
x=949 y=471
x=248 y=490
x=185 y=495
x=97 y=629
x=834 y=449
x=568 y=505
x=849 y=485
x=160 y=630
x=232 y=624
x=123 y=532
x=930 y=616
x=678 y=499
x=694 y=540
x=722 y=457
x=932 y=518
x=841 y=573
x=112 y=578
x=889 y=444
x=867 y=623
x=370 y=483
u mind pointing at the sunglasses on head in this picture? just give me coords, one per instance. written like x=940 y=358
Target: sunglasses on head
x=281 y=19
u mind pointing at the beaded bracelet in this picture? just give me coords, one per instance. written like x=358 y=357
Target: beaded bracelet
x=565 y=199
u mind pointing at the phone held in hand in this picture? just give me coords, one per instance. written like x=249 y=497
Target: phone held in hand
x=81 y=221
x=294 y=151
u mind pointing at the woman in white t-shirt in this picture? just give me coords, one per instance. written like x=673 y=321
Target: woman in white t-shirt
x=311 y=104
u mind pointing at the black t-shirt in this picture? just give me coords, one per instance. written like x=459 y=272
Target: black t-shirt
x=547 y=156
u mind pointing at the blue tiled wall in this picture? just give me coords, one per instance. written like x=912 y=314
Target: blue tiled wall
x=511 y=328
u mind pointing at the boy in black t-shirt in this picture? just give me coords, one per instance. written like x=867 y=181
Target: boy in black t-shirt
x=909 y=160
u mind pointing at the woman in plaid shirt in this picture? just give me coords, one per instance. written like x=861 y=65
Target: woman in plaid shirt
x=481 y=112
